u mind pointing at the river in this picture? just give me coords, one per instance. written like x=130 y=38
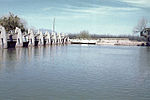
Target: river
x=75 y=72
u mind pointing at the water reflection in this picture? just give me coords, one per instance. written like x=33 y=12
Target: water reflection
x=75 y=72
x=2 y=58
x=11 y=57
x=3 y=54
x=31 y=53
x=143 y=64
x=19 y=53
x=40 y=52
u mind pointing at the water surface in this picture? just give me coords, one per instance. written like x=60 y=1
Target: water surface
x=75 y=72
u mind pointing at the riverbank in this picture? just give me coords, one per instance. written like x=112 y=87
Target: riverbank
x=108 y=41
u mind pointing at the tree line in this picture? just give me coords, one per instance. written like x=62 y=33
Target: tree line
x=83 y=35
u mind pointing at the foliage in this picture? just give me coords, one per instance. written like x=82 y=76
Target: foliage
x=82 y=35
x=11 y=22
x=72 y=36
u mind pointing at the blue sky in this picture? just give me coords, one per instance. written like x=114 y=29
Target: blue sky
x=95 y=16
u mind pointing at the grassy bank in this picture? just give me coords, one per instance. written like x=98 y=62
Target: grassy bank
x=97 y=36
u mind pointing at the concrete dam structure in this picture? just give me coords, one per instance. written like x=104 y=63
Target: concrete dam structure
x=30 y=38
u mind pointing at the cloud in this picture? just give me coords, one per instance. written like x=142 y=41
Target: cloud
x=105 y=10
x=95 y=9
x=47 y=8
x=140 y=3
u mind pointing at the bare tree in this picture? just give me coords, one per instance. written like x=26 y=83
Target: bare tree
x=142 y=24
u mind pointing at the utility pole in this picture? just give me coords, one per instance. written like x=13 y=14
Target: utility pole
x=54 y=25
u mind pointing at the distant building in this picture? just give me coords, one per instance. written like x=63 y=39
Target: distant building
x=146 y=33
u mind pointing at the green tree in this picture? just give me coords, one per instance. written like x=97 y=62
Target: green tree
x=84 y=34
x=11 y=22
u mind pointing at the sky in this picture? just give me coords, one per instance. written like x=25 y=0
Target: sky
x=115 y=17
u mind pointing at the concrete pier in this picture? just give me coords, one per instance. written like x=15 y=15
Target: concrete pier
x=3 y=38
x=19 y=39
x=19 y=42
x=41 y=38
x=31 y=37
x=47 y=38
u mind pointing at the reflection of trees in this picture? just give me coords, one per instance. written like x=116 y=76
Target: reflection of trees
x=9 y=58
x=3 y=56
x=144 y=63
